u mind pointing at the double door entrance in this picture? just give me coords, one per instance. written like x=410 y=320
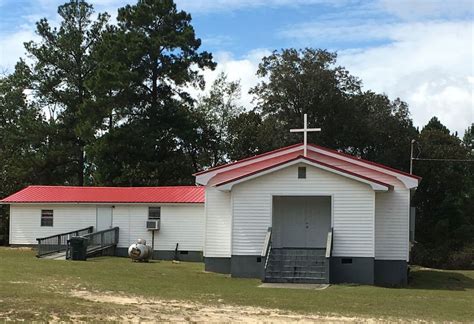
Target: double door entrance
x=301 y=221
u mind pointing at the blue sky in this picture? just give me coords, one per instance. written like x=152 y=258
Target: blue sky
x=419 y=50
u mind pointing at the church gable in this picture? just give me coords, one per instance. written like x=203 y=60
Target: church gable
x=226 y=183
x=335 y=161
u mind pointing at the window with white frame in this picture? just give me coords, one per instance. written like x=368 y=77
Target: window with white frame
x=47 y=217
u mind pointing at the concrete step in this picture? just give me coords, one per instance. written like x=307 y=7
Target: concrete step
x=297 y=260
x=293 y=261
x=299 y=252
x=297 y=266
x=302 y=274
x=296 y=280
x=272 y=267
x=292 y=265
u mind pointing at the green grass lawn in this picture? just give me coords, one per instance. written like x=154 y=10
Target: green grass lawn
x=34 y=289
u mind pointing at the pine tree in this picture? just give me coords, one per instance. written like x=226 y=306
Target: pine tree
x=63 y=64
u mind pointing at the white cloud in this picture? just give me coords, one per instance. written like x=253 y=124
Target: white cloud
x=409 y=9
x=340 y=30
x=205 y=6
x=237 y=69
x=11 y=48
x=428 y=65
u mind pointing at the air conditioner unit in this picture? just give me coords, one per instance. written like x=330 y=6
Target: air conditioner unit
x=153 y=225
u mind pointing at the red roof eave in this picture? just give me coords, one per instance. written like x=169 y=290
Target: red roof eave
x=365 y=161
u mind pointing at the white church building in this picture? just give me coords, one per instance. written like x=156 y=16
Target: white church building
x=302 y=213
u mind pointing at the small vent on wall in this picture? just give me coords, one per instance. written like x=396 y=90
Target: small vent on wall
x=301 y=172
x=346 y=261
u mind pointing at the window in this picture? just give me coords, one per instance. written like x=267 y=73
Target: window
x=47 y=217
x=154 y=213
x=301 y=172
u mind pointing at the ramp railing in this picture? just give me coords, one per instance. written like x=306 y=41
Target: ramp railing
x=98 y=241
x=59 y=242
x=102 y=239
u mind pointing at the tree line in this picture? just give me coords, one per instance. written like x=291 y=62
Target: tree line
x=109 y=104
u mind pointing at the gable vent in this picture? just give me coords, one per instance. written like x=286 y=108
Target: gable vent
x=301 y=172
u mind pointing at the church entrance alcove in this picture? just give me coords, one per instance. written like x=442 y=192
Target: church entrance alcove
x=301 y=221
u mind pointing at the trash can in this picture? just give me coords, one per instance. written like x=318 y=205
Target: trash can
x=78 y=248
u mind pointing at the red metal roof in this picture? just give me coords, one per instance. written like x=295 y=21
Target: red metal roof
x=369 y=163
x=69 y=194
x=365 y=161
x=246 y=159
x=337 y=161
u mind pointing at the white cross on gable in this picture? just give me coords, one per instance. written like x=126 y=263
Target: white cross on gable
x=305 y=131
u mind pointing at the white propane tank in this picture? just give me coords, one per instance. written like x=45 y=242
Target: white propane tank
x=139 y=251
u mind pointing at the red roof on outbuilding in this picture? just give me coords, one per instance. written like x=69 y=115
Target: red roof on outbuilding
x=70 y=194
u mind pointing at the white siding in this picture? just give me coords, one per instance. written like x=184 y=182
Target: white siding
x=218 y=223
x=25 y=221
x=352 y=209
x=179 y=224
x=183 y=224
x=392 y=224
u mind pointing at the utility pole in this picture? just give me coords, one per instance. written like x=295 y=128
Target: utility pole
x=411 y=156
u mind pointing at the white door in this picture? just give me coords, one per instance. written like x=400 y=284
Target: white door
x=104 y=218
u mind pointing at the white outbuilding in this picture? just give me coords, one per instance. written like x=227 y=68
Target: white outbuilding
x=45 y=211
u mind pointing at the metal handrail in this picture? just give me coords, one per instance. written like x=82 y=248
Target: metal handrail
x=266 y=242
x=97 y=241
x=59 y=242
x=329 y=244
x=268 y=255
x=267 y=246
x=67 y=233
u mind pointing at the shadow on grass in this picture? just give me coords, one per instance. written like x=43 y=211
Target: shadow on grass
x=440 y=280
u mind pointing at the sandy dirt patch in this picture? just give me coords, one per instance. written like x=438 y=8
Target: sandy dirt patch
x=151 y=310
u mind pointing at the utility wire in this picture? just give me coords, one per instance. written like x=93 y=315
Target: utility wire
x=447 y=160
